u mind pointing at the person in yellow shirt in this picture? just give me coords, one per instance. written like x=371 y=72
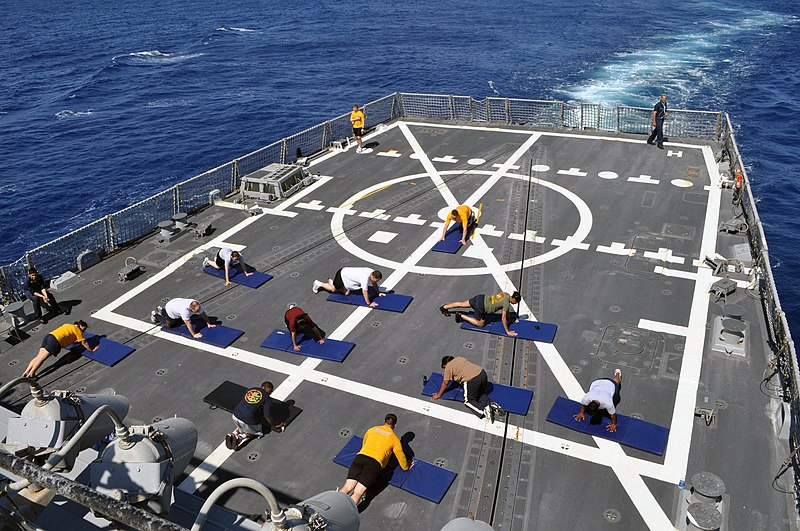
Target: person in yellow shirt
x=461 y=214
x=61 y=337
x=380 y=442
x=357 y=120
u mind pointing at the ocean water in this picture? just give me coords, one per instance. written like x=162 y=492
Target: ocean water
x=104 y=103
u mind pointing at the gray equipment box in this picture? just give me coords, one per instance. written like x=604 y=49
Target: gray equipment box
x=273 y=182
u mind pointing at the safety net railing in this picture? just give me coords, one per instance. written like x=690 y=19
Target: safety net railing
x=785 y=362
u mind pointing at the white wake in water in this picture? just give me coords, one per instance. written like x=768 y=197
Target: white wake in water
x=682 y=65
x=152 y=57
x=67 y=114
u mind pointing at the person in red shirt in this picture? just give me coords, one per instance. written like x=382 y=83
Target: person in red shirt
x=299 y=321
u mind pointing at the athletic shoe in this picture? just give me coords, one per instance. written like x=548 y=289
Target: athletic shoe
x=279 y=430
x=651 y=142
x=160 y=310
x=358 y=150
x=660 y=146
x=230 y=441
x=153 y=317
x=205 y=261
x=459 y=318
x=444 y=311
x=618 y=372
x=315 y=286
x=488 y=414
x=498 y=411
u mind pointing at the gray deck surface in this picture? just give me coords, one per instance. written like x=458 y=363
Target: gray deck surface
x=523 y=474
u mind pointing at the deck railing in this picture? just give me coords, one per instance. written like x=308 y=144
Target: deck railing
x=785 y=361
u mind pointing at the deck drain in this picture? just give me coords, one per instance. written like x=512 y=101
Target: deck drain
x=666 y=292
x=80 y=389
x=13 y=362
x=568 y=276
x=178 y=280
x=721 y=404
x=469 y=346
x=161 y=372
x=612 y=515
x=615 y=309
x=678 y=347
x=294 y=274
x=614 y=262
x=231 y=317
x=165 y=300
x=273 y=227
x=403 y=248
x=376 y=323
x=344 y=260
x=253 y=456
x=402 y=360
x=565 y=446
x=35 y=328
x=156 y=419
x=345 y=432
x=98 y=282
x=441 y=462
x=575 y=369
x=276 y=248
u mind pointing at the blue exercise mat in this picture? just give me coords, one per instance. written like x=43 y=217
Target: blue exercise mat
x=532 y=330
x=425 y=480
x=512 y=399
x=636 y=433
x=109 y=352
x=331 y=350
x=255 y=280
x=452 y=241
x=219 y=336
x=392 y=302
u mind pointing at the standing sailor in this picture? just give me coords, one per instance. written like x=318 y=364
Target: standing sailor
x=659 y=115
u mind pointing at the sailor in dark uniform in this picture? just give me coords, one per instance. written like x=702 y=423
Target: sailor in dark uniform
x=659 y=115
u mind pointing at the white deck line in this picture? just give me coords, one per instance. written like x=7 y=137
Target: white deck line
x=629 y=470
x=489 y=183
x=547 y=133
x=667 y=328
x=433 y=173
x=301 y=194
x=204 y=470
x=680 y=435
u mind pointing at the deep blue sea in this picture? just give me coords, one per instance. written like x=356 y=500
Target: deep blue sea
x=103 y=103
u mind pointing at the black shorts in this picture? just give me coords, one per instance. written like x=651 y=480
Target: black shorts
x=220 y=261
x=338 y=283
x=476 y=303
x=357 y=131
x=51 y=345
x=365 y=470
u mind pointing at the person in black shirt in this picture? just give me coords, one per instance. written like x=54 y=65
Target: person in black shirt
x=659 y=115
x=36 y=289
x=250 y=415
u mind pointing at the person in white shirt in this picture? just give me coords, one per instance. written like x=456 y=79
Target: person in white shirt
x=178 y=312
x=602 y=400
x=349 y=279
x=227 y=258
